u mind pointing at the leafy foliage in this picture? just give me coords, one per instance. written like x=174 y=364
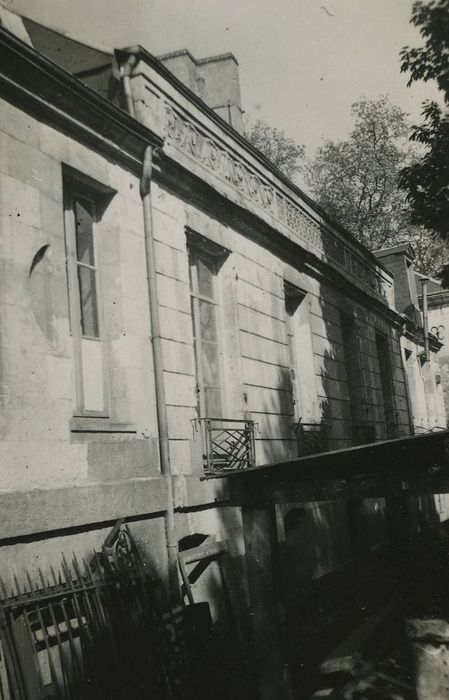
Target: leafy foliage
x=427 y=179
x=279 y=148
x=357 y=182
x=431 y=252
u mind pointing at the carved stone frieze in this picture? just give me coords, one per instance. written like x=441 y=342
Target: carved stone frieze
x=219 y=161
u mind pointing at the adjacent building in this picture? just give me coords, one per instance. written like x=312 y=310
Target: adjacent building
x=422 y=373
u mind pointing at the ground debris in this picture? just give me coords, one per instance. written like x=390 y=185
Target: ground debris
x=389 y=678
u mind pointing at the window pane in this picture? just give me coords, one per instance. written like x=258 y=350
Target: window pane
x=92 y=364
x=213 y=403
x=206 y=271
x=88 y=302
x=84 y=220
x=207 y=321
x=210 y=364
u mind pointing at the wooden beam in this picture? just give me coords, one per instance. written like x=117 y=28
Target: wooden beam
x=358 y=472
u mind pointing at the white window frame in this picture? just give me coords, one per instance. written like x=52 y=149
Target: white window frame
x=304 y=390
x=201 y=247
x=73 y=191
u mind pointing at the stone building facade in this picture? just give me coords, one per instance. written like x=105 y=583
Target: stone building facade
x=438 y=310
x=423 y=374
x=162 y=285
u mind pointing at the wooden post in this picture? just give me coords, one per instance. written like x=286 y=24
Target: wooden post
x=261 y=561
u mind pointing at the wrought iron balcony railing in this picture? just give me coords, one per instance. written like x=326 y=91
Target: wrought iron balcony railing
x=312 y=438
x=229 y=444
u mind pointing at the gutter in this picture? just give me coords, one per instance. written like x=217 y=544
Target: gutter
x=425 y=315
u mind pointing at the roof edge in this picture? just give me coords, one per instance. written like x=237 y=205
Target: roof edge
x=68 y=96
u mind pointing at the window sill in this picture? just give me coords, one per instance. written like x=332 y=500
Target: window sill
x=90 y=424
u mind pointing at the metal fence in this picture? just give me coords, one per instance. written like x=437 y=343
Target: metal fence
x=89 y=632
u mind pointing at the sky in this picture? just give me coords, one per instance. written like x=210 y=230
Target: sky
x=302 y=62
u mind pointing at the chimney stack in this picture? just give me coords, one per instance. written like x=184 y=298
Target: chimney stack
x=214 y=79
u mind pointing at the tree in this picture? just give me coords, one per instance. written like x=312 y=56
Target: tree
x=356 y=181
x=431 y=252
x=279 y=148
x=427 y=179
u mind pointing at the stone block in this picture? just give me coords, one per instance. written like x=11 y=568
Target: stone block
x=18 y=124
x=180 y=456
x=173 y=294
x=129 y=215
x=53 y=143
x=263 y=374
x=268 y=451
x=332 y=368
x=167 y=203
x=39 y=463
x=275 y=426
x=20 y=201
x=112 y=460
x=325 y=328
x=27 y=512
x=180 y=390
x=250 y=250
x=337 y=408
x=259 y=300
x=171 y=262
x=169 y=231
x=327 y=387
x=176 y=325
x=180 y=423
x=325 y=307
x=259 y=276
x=4 y=139
x=87 y=162
x=178 y=357
x=273 y=401
x=59 y=377
x=132 y=251
x=262 y=325
x=328 y=349
x=138 y=403
x=130 y=350
x=33 y=167
x=135 y=314
x=253 y=347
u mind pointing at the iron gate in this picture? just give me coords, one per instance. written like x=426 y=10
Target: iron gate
x=89 y=632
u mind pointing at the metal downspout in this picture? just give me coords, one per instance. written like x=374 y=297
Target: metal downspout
x=125 y=72
x=161 y=406
x=425 y=317
x=164 y=451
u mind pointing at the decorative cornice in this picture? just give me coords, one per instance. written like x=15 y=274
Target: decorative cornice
x=179 y=178
x=141 y=53
x=281 y=209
